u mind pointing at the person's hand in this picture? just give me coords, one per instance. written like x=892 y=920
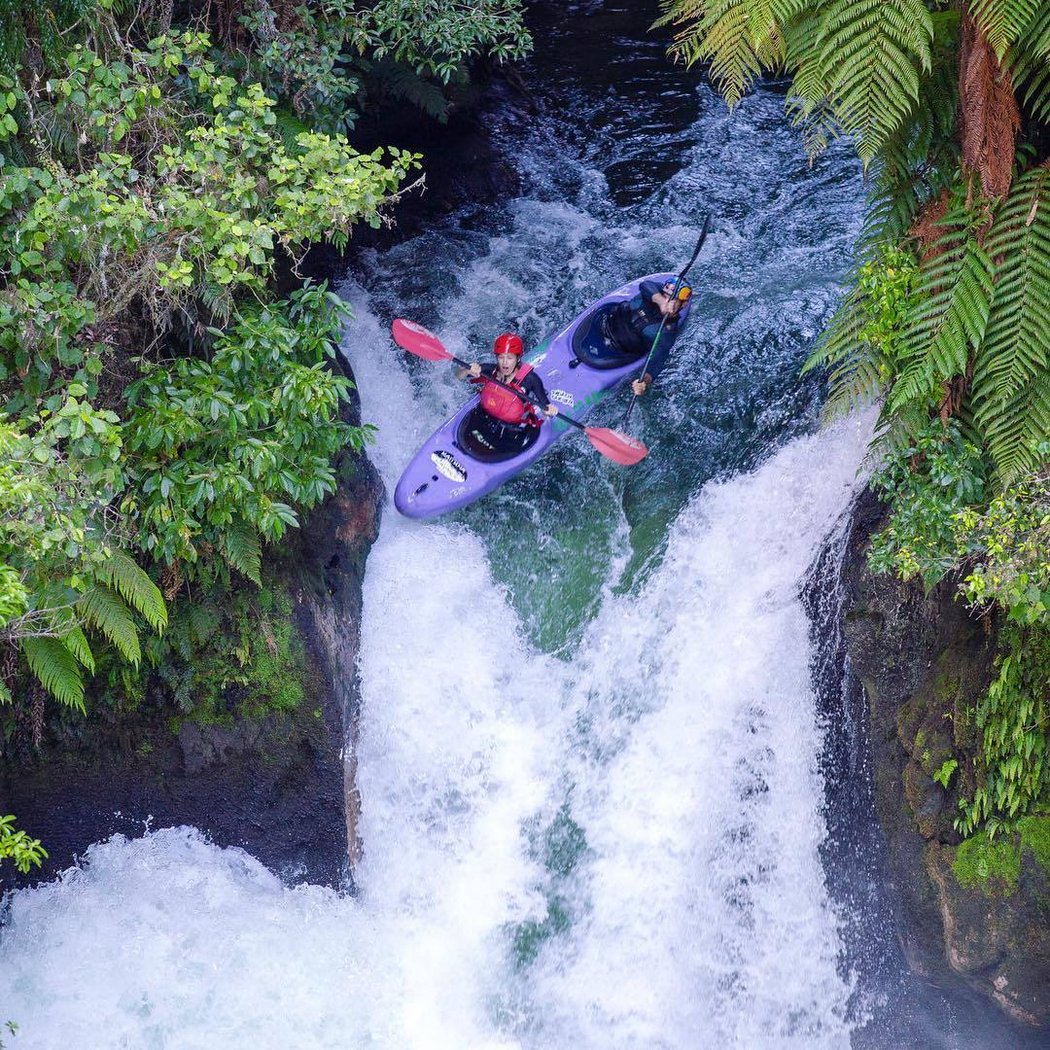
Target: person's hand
x=638 y=387
x=551 y=410
x=474 y=370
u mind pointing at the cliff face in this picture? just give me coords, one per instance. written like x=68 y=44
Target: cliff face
x=279 y=786
x=924 y=663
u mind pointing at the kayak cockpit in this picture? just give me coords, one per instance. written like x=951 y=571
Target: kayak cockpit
x=594 y=345
x=488 y=440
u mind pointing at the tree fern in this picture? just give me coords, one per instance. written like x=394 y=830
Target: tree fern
x=920 y=158
x=1011 y=386
x=855 y=374
x=402 y=82
x=76 y=642
x=240 y=544
x=125 y=576
x=949 y=317
x=739 y=38
x=863 y=59
x=57 y=669
x=1029 y=63
x=1004 y=21
x=809 y=102
x=106 y=612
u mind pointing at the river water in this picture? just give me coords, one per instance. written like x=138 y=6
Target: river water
x=591 y=757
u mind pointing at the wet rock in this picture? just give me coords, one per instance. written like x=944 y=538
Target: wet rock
x=334 y=544
x=924 y=663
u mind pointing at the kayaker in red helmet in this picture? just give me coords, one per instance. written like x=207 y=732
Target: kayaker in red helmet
x=499 y=403
x=504 y=424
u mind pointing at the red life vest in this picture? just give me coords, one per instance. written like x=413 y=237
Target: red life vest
x=503 y=405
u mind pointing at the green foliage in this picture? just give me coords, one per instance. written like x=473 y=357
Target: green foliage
x=324 y=57
x=1035 y=838
x=1013 y=718
x=928 y=483
x=436 y=40
x=16 y=845
x=862 y=346
x=144 y=195
x=222 y=451
x=42 y=24
x=948 y=318
x=1011 y=380
x=920 y=158
x=232 y=652
x=942 y=521
x=62 y=570
x=993 y=863
x=1012 y=535
x=943 y=773
x=185 y=188
x=856 y=64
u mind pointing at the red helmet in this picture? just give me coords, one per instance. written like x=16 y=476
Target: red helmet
x=508 y=343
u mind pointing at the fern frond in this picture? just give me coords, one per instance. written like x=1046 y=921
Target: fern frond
x=1004 y=22
x=57 y=670
x=1028 y=63
x=107 y=613
x=949 y=318
x=240 y=544
x=856 y=375
x=920 y=158
x=739 y=38
x=1012 y=369
x=76 y=642
x=873 y=50
x=402 y=82
x=124 y=575
x=203 y=619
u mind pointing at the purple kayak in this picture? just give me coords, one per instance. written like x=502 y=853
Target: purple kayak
x=461 y=461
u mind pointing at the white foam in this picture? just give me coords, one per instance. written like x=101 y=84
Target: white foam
x=707 y=922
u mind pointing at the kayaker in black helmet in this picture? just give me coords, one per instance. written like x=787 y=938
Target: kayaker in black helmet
x=630 y=327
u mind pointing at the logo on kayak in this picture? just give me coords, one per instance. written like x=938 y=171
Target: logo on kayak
x=448 y=465
x=534 y=361
x=563 y=397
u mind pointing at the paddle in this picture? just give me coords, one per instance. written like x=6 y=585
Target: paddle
x=663 y=324
x=620 y=448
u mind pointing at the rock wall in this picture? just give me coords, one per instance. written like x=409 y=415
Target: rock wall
x=924 y=663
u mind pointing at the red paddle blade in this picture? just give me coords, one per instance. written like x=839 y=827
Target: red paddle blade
x=418 y=340
x=620 y=448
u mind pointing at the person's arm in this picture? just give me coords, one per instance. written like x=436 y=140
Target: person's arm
x=474 y=371
x=658 y=358
x=534 y=387
x=648 y=290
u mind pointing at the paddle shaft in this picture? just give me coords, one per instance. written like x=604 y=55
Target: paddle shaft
x=663 y=323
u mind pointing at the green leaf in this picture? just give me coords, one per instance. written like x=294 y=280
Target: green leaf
x=240 y=543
